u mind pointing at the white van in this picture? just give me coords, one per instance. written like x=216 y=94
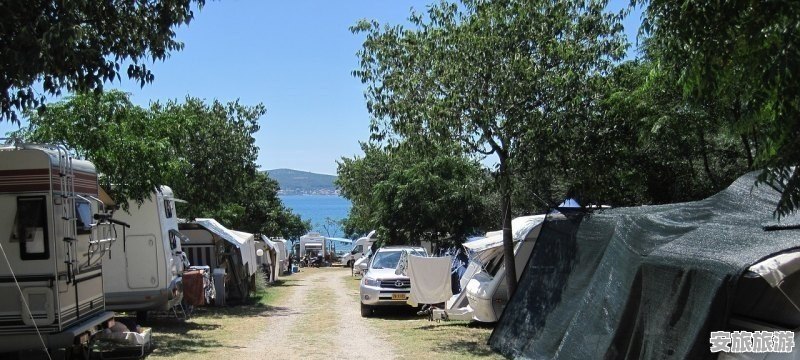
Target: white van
x=360 y=248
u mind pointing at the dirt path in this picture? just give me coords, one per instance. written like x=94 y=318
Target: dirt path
x=321 y=320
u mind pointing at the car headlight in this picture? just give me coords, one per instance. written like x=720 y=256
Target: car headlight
x=370 y=282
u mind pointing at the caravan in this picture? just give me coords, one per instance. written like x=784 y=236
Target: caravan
x=484 y=292
x=360 y=248
x=145 y=271
x=53 y=238
x=230 y=254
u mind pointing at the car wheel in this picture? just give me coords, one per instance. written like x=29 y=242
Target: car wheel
x=366 y=310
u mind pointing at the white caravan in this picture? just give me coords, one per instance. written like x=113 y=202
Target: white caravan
x=312 y=244
x=144 y=273
x=208 y=243
x=360 y=248
x=53 y=238
x=484 y=292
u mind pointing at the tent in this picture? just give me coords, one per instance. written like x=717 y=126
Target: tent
x=641 y=282
x=208 y=243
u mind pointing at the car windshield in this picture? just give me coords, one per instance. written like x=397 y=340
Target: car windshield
x=389 y=259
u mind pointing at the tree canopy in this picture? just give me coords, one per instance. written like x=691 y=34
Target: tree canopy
x=79 y=45
x=748 y=54
x=205 y=152
x=410 y=194
x=498 y=76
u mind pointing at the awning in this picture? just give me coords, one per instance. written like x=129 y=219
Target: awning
x=341 y=240
x=221 y=231
x=270 y=244
x=521 y=227
x=777 y=268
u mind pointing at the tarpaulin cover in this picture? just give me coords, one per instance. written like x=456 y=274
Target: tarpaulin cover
x=646 y=282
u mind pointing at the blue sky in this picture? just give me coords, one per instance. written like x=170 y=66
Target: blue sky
x=293 y=56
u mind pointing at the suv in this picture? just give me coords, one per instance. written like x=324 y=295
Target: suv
x=380 y=285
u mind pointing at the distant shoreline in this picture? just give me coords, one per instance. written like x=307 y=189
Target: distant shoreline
x=289 y=193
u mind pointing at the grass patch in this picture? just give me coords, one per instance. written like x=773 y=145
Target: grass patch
x=415 y=337
x=213 y=331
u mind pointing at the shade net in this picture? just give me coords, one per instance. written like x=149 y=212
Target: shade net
x=647 y=282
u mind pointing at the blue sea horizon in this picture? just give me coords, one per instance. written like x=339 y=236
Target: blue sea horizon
x=318 y=208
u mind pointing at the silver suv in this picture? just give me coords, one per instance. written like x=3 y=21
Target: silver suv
x=380 y=285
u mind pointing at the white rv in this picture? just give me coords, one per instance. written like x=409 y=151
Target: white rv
x=53 y=238
x=144 y=272
x=360 y=248
x=312 y=244
x=208 y=243
x=484 y=292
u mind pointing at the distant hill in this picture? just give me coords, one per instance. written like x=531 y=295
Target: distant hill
x=295 y=182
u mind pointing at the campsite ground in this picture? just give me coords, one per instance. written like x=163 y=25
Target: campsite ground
x=314 y=315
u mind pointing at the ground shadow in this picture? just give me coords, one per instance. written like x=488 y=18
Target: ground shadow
x=403 y=313
x=471 y=347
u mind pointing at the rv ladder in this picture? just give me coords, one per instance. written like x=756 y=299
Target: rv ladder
x=66 y=175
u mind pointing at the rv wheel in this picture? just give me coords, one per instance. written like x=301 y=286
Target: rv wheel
x=350 y=263
x=366 y=310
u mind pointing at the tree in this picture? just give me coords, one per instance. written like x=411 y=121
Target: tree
x=747 y=52
x=79 y=45
x=495 y=75
x=205 y=152
x=132 y=155
x=414 y=194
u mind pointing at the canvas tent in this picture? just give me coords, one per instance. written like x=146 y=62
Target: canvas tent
x=271 y=258
x=641 y=282
x=208 y=243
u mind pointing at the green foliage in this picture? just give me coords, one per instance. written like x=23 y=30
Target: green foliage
x=746 y=53
x=205 y=152
x=504 y=78
x=410 y=194
x=79 y=45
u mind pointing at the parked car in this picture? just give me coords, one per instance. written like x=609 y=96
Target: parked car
x=380 y=285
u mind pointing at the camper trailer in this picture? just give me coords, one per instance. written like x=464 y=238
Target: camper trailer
x=312 y=245
x=144 y=273
x=53 y=238
x=229 y=253
x=360 y=248
x=484 y=289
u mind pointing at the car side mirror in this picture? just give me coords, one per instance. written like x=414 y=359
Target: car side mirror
x=363 y=266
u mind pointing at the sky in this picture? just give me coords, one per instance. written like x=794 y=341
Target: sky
x=295 y=57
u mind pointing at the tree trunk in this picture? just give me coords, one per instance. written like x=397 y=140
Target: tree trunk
x=508 y=240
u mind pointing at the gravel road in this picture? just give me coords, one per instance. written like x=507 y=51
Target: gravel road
x=320 y=320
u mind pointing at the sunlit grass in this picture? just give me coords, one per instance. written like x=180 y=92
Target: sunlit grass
x=414 y=337
x=213 y=331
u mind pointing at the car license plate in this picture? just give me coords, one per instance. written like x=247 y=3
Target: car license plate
x=399 y=296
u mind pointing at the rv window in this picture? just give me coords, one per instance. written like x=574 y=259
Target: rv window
x=32 y=228
x=168 y=208
x=357 y=249
x=83 y=211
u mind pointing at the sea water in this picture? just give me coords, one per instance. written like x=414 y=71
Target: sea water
x=324 y=212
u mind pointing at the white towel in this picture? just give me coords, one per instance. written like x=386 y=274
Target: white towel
x=430 y=279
